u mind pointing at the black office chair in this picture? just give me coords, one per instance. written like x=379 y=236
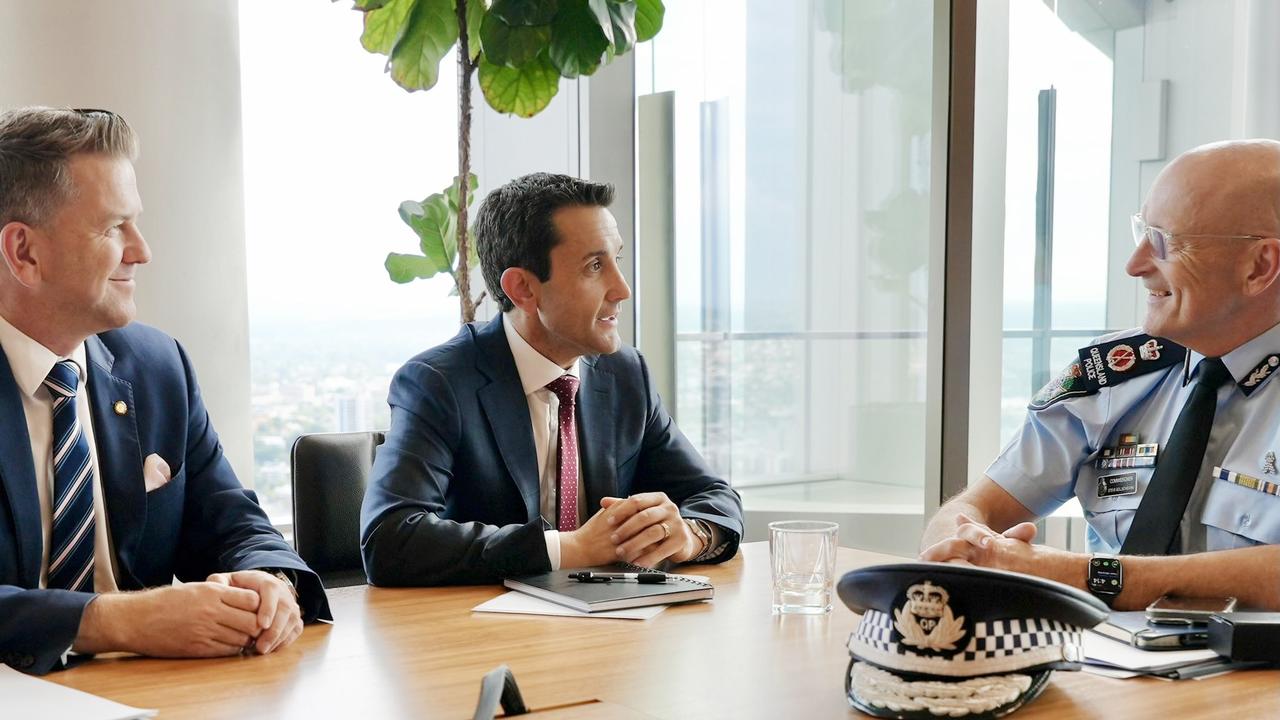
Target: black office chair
x=329 y=472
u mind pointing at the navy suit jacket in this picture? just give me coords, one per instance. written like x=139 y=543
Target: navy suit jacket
x=453 y=497
x=201 y=522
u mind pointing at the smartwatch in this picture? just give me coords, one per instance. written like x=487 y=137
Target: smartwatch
x=1106 y=577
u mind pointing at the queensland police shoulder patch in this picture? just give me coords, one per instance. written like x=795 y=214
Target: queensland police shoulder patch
x=1069 y=383
x=1109 y=363
x=1116 y=361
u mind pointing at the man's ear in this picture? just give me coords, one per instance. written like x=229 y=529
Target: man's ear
x=1264 y=266
x=521 y=287
x=16 y=248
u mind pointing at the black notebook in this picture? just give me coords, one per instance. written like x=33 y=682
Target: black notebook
x=557 y=587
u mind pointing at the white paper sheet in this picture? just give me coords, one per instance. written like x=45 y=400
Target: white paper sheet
x=521 y=604
x=30 y=697
x=1111 y=672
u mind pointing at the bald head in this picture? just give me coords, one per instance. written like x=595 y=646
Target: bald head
x=1215 y=287
x=1224 y=188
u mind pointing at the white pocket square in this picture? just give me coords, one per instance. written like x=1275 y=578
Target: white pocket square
x=155 y=472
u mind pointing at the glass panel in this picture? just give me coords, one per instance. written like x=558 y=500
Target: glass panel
x=1016 y=387
x=327 y=329
x=803 y=135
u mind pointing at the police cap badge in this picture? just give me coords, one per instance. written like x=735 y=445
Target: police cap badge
x=959 y=641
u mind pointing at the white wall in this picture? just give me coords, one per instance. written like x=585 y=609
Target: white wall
x=172 y=69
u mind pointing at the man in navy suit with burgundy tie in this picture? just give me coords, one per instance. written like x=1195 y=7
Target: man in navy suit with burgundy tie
x=537 y=441
x=111 y=475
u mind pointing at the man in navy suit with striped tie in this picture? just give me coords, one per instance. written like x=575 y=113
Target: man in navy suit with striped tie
x=537 y=441
x=112 y=478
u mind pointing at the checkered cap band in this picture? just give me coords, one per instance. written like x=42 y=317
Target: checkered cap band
x=997 y=646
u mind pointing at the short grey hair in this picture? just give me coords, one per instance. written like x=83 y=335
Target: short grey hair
x=36 y=145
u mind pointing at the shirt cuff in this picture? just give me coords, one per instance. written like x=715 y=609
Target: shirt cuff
x=553 y=547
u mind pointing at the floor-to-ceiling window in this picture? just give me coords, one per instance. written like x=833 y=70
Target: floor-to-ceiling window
x=804 y=150
x=332 y=147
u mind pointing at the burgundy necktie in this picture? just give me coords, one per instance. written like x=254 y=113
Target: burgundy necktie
x=566 y=388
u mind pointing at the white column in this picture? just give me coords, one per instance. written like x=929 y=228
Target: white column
x=173 y=70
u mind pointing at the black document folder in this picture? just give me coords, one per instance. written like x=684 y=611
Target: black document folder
x=559 y=588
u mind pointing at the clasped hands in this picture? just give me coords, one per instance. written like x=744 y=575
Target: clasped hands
x=643 y=529
x=229 y=613
x=976 y=544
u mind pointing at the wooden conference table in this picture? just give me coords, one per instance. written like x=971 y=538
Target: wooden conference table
x=420 y=653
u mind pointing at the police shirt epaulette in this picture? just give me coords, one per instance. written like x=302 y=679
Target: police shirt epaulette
x=1260 y=374
x=1108 y=364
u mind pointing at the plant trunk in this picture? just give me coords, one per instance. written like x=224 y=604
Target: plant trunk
x=465 y=69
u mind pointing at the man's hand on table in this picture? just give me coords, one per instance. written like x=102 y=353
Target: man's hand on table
x=589 y=545
x=648 y=529
x=279 y=617
x=201 y=619
x=976 y=544
x=227 y=614
x=644 y=529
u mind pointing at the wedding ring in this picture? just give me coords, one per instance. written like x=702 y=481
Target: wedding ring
x=666 y=531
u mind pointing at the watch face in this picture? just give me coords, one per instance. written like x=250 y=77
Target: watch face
x=1105 y=576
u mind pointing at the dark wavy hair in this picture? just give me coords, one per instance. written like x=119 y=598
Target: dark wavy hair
x=514 y=226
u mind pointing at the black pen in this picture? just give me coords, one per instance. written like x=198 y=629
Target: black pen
x=640 y=577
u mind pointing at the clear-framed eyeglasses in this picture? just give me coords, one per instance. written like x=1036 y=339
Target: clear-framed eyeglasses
x=1159 y=237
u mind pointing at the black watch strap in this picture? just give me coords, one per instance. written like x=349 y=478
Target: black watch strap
x=1106 y=577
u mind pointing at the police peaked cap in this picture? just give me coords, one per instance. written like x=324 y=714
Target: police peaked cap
x=952 y=640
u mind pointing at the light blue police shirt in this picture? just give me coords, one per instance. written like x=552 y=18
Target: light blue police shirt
x=1054 y=454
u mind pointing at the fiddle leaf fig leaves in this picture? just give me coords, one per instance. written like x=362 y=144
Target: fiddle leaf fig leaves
x=512 y=46
x=475 y=18
x=622 y=16
x=571 y=38
x=451 y=194
x=382 y=26
x=407 y=268
x=435 y=224
x=525 y=12
x=523 y=91
x=426 y=37
x=649 y=15
x=578 y=38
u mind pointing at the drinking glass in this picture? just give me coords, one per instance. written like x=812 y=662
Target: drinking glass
x=803 y=556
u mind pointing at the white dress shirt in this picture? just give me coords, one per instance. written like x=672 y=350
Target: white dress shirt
x=31 y=362
x=544 y=413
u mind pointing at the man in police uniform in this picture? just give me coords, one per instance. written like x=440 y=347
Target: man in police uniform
x=1168 y=435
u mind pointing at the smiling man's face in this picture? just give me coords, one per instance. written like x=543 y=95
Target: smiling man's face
x=1196 y=294
x=578 y=304
x=88 y=250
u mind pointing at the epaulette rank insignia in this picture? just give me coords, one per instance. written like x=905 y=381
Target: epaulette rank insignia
x=1108 y=364
x=1260 y=373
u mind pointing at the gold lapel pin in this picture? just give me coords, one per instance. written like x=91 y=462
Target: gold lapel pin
x=120 y=407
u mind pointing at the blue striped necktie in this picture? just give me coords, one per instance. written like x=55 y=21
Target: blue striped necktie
x=71 y=560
